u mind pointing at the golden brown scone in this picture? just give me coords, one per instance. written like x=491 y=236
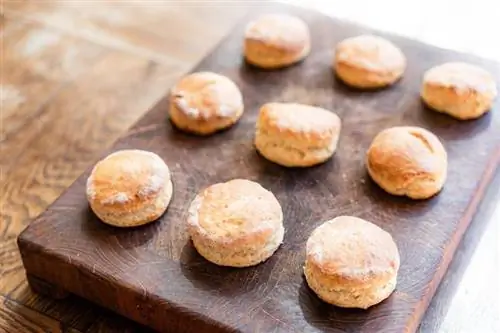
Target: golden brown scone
x=462 y=90
x=276 y=40
x=351 y=263
x=296 y=135
x=368 y=61
x=129 y=188
x=237 y=223
x=204 y=102
x=407 y=161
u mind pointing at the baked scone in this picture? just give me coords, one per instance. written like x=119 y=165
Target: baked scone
x=129 y=188
x=462 y=90
x=368 y=61
x=408 y=161
x=276 y=40
x=296 y=135
x=351 y=263
x=237 y=223
x=204 y=102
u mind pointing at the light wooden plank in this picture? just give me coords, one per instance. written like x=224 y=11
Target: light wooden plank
x=16 y=318
x=165 y=31
x=86 y=116
x=36 y=63
x=75 y=75
x=11 y=268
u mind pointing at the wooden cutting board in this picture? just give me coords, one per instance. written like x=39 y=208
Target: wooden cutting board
x=153 y=275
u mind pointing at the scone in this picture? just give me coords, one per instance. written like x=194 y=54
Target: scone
x=204 y=102
x=237 y=223
x=276 y=40
x=351 y=263
x=462 y=90
x=368 y=61
x=296 y=135
x=129 y=188
x=407 y=161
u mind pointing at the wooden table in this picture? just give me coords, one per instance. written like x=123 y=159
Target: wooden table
x=74 y=76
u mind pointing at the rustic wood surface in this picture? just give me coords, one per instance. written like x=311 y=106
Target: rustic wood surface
x=75 y=75
x=152 y=271
x=59 y=55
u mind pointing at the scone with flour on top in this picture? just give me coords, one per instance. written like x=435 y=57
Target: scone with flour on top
x=351 y=263
x=276 y=40
x=368 y=62
x=203 y=103
x=129 y=188
x=237 y=223
x=461 y=90
x=296 y=135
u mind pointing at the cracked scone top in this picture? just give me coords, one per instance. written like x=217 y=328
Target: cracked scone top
x=205 y=102
x=296 y=135
x=237 y=223
x=407 y=161
x=129 y=188
x=351 y=262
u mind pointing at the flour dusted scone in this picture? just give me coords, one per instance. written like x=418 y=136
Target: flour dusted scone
x=351 y=263
x=237 y=223
x=296 y=135
x=204 y=102
x=408 y=161
x=368 y=61
x=276 y=40
x=129 y=188
x=462 y=90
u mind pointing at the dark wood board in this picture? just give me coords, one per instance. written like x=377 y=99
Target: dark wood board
x=153 y=275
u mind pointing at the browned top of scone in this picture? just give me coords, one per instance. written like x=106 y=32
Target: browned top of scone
x=127 y=178
x=462 y=78
x=278 y=31
x=207 y=95
x=237 y=211
x=370 y=53
x=309 y=125
x=405 y=153
x=353 y=252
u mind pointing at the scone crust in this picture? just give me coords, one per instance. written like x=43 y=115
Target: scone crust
x=351 y=262
x=129 y=188
x=408 y=161
x=237 y=223
x=461 y=90
x=296 y=135
x=204 y=102
x=276 y=40
x=368 y=61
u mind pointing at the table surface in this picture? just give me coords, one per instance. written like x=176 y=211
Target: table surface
x=72 y=81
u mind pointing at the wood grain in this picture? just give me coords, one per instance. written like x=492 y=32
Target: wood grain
x=67 y=94
x=11 y=268
x=114 y=25
x=108 y=100
x=38 y=64
x=152 y=271
x=483 y=235
x=110 y=322
x=18 y=318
